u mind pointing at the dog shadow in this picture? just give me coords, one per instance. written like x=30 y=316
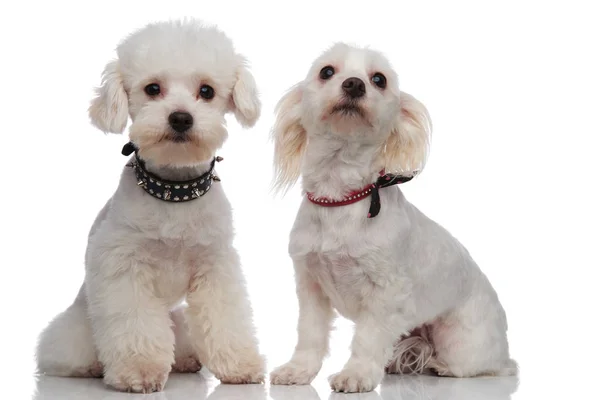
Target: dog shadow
x=413 y=387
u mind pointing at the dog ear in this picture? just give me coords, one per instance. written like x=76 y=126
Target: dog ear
x=407 y=147
x=109 y=109
x=244 y=97
x=290 y=139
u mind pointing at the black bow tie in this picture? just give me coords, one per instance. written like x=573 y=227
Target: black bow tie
x=384 y=181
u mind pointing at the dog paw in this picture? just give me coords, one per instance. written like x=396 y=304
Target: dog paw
x=137 y=377
x=243 y=372
x=293 y=374
x=187 y=364
x=351 y=380
x=243 y=378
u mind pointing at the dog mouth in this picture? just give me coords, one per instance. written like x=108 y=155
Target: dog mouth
x=348 y=110
x=177 y=137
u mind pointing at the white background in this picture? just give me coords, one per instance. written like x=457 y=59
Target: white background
x=513 y=90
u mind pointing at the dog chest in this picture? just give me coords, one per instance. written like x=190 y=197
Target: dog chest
x=172 y=265
x=350 y=257
x=343 y=280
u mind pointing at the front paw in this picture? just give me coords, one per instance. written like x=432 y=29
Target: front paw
x=240 y=372
x=294 y=373
x=355 y=380
x=139 y=376
x=242 y=377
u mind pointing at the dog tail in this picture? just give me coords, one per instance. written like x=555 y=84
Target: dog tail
x=413 y=354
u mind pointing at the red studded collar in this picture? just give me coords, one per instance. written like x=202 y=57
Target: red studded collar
x=372 y=190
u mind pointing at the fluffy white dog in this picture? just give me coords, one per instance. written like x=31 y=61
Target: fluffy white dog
x=166 y=234
x=417 y=298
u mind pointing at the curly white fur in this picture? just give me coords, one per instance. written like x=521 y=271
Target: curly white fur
x=145 y=256
x=389 y=274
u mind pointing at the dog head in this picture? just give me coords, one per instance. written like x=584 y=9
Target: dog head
x=351 y=94
x=176 y=80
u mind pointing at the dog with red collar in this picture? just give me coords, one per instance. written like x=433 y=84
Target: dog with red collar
x=419 y=301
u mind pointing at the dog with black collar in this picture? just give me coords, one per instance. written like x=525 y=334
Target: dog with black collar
x=166 y=234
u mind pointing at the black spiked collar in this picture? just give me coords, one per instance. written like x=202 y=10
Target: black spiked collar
x=166 y=190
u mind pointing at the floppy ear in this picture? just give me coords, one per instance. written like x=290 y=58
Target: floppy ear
x=244 y=98
x=109 y=109
x=290 y=139
x=407 y=147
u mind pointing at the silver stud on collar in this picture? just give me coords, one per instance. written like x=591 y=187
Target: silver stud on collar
x=140 y=182
x=167 y=195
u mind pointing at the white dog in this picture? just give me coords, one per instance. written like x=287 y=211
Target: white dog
x=417 y=298
x=166 y=234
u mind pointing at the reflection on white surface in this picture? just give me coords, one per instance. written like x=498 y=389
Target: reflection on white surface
x=430 y=387
x=179 y=386
x=203 y=386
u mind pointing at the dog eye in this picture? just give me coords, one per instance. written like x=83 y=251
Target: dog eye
x=379 y=80
x=327 y=72
x=206 y=92
x=152 y=89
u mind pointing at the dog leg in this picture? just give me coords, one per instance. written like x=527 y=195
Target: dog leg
x=372 y=346
x=186 y=359
x=132 y=328
x=314 y=324
x=220 y=320
x=66 y=346
x=471 y=340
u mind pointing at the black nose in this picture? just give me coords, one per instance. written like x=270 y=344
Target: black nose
x=354 y=87
x=181 y=121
